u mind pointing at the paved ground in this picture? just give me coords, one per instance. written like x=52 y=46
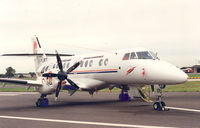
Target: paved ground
x=17 y=110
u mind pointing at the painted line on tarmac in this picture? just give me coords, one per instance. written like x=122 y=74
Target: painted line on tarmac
x=16 y=93
x=9 y=94
x=184 y=109
x=81 y=122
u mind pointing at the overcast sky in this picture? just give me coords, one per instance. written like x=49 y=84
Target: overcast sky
x=169 y=27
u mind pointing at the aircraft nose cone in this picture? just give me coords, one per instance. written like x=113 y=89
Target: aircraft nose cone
x=165 y=73
x=179 y=76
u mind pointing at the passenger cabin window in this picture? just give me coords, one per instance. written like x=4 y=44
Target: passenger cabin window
x=100 y=62
x=133 y=55
x=144 y=55
x=64 y=65
x=67 y=65
x=91 y=62
x=47 y=68
x=81 y=65
x=86 y=63
x=43 y=69
x=106 y=62
x=126 y=56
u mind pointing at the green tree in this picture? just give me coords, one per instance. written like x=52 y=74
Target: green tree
x=10 y=72
x=32 y=74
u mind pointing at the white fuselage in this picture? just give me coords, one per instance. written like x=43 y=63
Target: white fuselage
x=98 y=71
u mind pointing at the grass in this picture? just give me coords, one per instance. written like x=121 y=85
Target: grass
x=194 y=76
x=113 y=90
x=16 y=90
x=190 y=86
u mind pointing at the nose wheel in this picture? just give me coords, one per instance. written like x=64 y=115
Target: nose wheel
x=159 y=105
x=42 y=102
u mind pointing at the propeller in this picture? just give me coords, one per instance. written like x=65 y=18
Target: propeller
x=61 y=75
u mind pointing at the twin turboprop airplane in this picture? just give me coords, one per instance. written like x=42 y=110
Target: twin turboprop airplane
x=124 y=69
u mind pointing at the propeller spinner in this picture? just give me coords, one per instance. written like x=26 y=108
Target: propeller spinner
x=61 y=75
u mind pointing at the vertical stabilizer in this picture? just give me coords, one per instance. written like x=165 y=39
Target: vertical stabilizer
x=39 y=59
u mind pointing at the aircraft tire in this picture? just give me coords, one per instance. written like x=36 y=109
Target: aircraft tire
x=162 y=104
x=42 y=102
x=157 y=106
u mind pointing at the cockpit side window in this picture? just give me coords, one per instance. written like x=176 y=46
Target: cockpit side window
x=133 y=55
x=154 y=55
x=126 y=56
x=144 y=55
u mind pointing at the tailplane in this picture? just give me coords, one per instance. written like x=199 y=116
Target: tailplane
x=38 y=53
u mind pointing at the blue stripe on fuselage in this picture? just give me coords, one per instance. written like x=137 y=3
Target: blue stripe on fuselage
x=94 y=72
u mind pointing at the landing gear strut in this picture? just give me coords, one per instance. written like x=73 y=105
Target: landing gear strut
x=124 y=94
x=42 y=101
x=159 y=105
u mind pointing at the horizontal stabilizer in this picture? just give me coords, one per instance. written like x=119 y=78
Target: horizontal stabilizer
x=37 y=54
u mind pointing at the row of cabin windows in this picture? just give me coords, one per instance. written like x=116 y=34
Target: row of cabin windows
x=83 y=64
x=87 y=62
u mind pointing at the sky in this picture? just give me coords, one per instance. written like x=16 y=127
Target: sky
x=169 y=27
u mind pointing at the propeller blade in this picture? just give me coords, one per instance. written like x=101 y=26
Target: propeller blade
x=49 y=75
x=59 y=62
x=73 y=67
x=58 y=88
x=73 y=84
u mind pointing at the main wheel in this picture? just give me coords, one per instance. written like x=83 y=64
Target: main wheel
x=157 y=106
x=42 y=102
x=163 y=105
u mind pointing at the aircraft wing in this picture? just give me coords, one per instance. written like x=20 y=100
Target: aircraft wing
x=21 y=82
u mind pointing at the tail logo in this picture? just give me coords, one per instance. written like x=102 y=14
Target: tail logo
x=35 y=47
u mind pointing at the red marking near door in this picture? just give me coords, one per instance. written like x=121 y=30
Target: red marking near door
x=130 y=70
x=143 y=73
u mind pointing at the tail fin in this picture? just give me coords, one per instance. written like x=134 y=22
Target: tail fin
x=37 y=47
x=36 y=43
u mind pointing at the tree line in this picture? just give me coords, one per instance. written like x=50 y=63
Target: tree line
x=10 y=72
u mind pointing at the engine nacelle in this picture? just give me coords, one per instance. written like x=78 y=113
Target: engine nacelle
x=46 y=89
x=162 y=86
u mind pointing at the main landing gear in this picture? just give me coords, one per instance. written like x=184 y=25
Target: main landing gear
x=124 y=94
x=159 y=105
x=42 y=101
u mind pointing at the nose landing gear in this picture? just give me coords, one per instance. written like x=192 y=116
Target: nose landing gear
x=42 y=101
x=159 y=105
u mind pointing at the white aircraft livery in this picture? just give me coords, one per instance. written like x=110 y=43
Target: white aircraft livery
x=128 y=68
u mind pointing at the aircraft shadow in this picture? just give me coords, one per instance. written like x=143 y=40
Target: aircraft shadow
x=60 y=104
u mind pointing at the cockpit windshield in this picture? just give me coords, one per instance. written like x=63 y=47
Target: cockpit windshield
x=144 y=55
x=140 y=55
